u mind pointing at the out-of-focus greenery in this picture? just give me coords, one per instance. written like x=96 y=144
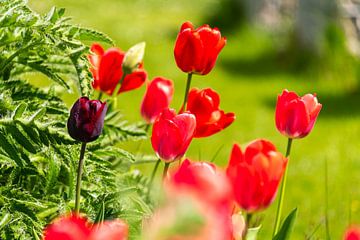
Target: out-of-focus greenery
x=249 y=74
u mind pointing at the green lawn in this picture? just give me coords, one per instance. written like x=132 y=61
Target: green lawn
x=248 y=82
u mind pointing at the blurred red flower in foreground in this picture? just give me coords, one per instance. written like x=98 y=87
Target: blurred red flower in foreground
x=73 y=227
x=198 y=205
x=204 y=104
x=352 y=233
x=255 y=174
x=295 y=116
x=196 y=50
x=86 y=119
x=107 y=70
x=158 y=96
x=172 y=134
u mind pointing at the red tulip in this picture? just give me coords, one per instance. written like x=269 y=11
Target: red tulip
x=73 y=227
x=158 y=96
x=295 y=116
x=86 y=119
x=255 y=174
x=204 y=104
x=196 y=50
x=172 y=134
x=204 y=180
x=352 y=233
x=198 y=205
x=107 y=71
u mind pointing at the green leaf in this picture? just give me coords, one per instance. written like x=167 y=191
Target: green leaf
x=37 y=115
x=10 y=150
x=19 y=110
x=86 y=34
x=5 y=219
x=100 y=215
x=21 y=138
x=48 y=72
x=252 y=233
x=286 y=228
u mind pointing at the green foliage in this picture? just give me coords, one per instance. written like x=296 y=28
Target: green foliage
x=286 y=228
x=38 y=160
x=48 y=44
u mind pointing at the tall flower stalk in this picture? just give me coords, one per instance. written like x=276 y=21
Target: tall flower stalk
x=85 y=124
x=282 y=190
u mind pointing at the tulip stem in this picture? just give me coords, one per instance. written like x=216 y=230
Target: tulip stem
x=282 y=190
x=100 y=95
x=188 y=84
x=247 y=224
x=153 y=175
x=78 y=180
x=166 y=168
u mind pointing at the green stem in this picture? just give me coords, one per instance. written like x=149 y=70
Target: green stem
x=100 y=95
x=247 y=224
x=166 y=168
x=78 y=180
x=282 y=191
x=117 y=88
x=187 y=89
x=153 y=175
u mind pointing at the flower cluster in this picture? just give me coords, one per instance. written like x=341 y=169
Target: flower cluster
x=202 y=201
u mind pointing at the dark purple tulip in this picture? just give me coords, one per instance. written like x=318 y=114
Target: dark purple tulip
x=86 y=119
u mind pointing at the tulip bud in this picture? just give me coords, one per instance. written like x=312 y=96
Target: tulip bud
x=172 y=134
x=86 y=119
x=295 y=116
x=134 y=56
x=255 y=174
x=196 y=50
x=158 y=96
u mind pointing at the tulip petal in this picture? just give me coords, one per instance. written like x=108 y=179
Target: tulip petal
x=158 y=96
x=110 y=70
x=133 y=80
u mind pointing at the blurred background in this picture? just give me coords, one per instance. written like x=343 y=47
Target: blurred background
x=308 y=46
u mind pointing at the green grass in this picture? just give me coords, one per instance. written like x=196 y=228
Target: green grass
x=248 y=79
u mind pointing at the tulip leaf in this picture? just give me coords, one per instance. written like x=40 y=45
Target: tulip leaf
x=252 y=233
x=286 y=228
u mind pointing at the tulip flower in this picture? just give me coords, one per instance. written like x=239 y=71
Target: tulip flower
x=186 y=217
x=86 y=119
x=204 y=180
x=74 y=227
x=107 y=71
x=158 y=96
x=172 y=134
x=352 y=233
x=204 y=104
x=295 y=116
x=198 y=205
x=255 y=174
x=196 y=50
